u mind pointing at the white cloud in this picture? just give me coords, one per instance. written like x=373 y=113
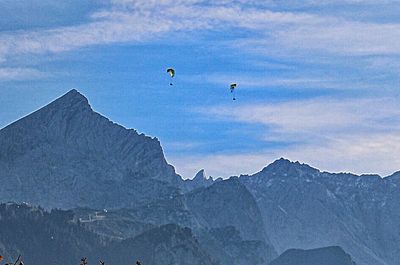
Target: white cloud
x=323 y=115
x=221 y=165
x=344 y=37
x=360 y=155
x=353 y=135
x=293 y=80
x=130 y=28
x=8 y=74
x=182 y=146
x=133 y=21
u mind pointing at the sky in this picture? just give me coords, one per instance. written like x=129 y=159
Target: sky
x=317 y=81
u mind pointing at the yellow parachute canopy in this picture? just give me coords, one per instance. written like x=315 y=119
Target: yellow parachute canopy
x=233 y=87
x=171 y=72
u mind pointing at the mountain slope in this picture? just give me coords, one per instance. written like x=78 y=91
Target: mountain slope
x=228 y=206
x=200 y=180
x=227 y=203
x=56 y=238
x=304 y=208
x=168 y=244
x=42 y=237
x=66 y=155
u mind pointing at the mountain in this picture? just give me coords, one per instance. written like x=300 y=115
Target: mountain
x=43 y=237
x=233 y=220
x=227 y=203
x=119 y=186
x=169 y=244
x=54 y=237
x=304 y=208
x=230 y=248
x=129 y=222
x=320 y=256
x=65 y=155
x=223 y=217
x=200 y=180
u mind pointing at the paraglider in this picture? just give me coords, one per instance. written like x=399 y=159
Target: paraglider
x=171 y=72
x=232 y=88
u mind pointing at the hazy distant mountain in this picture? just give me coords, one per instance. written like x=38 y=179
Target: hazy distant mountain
x=66 y=155
x=129 y=222
x=42 y=237
x=224 y=217
x=227 y=203
x=229 y=247
x=305 y=208
x=56 y=238
x=320 y=256
x=234 y=220
x=169 y=244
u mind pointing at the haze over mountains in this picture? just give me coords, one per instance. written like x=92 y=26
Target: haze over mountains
x=69 y=157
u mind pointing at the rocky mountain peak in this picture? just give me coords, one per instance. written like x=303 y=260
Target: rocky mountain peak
x=70 y=103
x=394 y=178
x=72 y=98
x=201 y=175
x=199 y=180
x=65 y=147
x=285 y=167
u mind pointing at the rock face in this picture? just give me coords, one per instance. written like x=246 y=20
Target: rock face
x=320 y=256
x=82 y=158
x=227 y=203
x=304 y=208
x=200 y=180
x=234 y=222
x=229 y=247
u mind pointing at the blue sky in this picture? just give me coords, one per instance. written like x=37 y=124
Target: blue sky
x=318 y=81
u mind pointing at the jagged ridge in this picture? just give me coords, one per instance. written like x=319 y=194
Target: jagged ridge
x=83 y=158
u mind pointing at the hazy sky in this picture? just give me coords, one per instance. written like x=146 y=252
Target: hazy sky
x=317 y=82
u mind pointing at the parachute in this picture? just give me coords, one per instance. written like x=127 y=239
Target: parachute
x=171 y=72
x=233 y=87
x=1 y=258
